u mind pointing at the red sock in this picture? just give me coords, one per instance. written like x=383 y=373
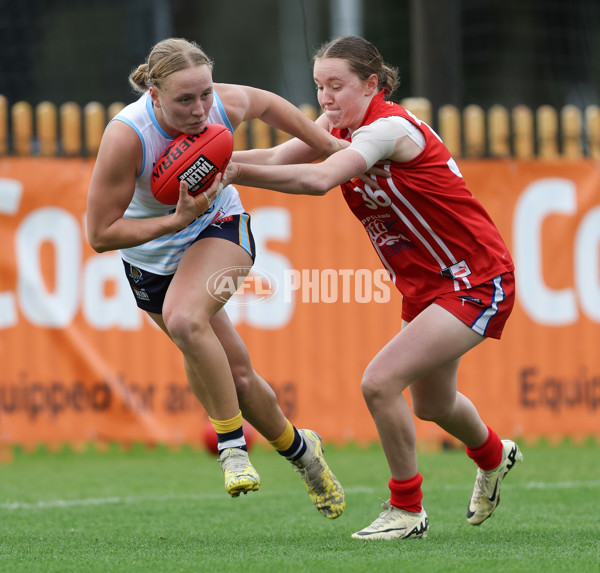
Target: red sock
x=489 y=455
x=406 y=493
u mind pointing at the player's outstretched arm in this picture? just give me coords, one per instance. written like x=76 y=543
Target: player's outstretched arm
x=244 y=103
x=300 y=179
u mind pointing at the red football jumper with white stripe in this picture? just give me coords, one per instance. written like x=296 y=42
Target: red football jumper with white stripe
x=431 y=234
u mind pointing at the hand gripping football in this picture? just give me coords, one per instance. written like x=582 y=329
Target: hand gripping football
x=196 y=159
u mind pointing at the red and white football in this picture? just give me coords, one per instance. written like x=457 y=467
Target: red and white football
x=196 y=159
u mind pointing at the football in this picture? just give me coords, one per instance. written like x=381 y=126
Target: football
x=210 y=437
x=195 y=159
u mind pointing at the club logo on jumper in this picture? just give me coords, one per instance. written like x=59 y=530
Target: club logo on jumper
x=384 y=234
x=135 y=274
x=198 y=174
x=242 y=285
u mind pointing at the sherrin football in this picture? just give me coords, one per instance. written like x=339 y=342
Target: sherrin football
x=196 y=159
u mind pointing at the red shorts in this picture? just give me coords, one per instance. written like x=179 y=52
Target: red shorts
x=485 y=308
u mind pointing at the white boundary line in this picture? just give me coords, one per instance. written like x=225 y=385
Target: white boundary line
x=115 y=500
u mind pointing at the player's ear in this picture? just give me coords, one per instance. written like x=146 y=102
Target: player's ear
x=371 y=84
x=154 y=96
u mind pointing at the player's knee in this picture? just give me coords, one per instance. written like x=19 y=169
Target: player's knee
x=429 y=411
x=243 y=378
x=185 y=331
x=372 y=388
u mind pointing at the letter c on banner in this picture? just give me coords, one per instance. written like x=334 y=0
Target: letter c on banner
x=537 y=201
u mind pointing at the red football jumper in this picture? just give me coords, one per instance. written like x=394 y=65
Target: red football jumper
x=431 y=234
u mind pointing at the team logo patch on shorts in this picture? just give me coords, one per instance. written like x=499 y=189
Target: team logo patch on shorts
x=135 y=274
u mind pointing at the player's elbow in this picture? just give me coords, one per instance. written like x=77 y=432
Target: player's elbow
x=317 y=185
x=319 y=192
x=96 y=242
x=97 y=246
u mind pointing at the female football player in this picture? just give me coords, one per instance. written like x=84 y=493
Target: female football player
x=169 y=252
x=451 y=266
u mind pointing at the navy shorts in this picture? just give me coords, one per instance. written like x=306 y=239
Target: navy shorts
x=149 y=289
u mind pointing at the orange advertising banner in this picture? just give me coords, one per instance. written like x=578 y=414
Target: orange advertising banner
x=79 y=362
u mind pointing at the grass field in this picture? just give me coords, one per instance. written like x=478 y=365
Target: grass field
x=163 y=511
